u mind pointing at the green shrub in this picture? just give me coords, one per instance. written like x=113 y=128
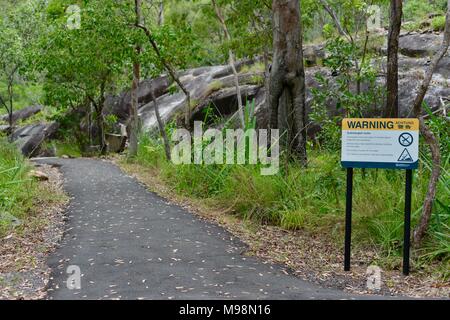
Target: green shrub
x=438 y=23
x=418 y=10
x=16 y=189
x=414 y=10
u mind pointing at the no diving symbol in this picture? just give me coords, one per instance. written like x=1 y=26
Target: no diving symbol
x=406 y=139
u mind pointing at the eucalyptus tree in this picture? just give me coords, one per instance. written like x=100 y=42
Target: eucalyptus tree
x=20 y=24
x=287 y=79
x=11 y=58
x=83 y=64
x=134 y=120
x=396 y=13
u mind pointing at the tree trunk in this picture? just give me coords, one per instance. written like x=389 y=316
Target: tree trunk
x=427 y=209
x=162 y=129
x=429 y=137
x=287 y=83
x=267 y=77
x=391 y=109
x=101 y=131
x=232 y=63
x=134 y=119
x=11 y=105
x=333 y=16
x=100 y=119
x=161 y=14
x=10 y=119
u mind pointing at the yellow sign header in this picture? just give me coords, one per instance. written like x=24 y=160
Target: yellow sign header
x=365 y=124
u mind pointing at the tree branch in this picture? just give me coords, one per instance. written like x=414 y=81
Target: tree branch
x=171 y=72
x=333 y=15
x=231 y=62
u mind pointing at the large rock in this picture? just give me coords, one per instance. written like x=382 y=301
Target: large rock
x=214 y=86
x=420 y=45
x=313 y=54
x=199 y=82
x=221 y=95
x=23 y=114
x=410 y=78
x=120 y=105
x=415 y=45
x=411 y=74
x=223 y=103
x=30 y=138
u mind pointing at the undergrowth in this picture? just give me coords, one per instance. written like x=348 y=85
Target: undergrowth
x=313 y=199
x=16 y=188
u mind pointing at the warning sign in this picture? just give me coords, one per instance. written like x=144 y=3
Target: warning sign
x=380 y=143
x=405 y=156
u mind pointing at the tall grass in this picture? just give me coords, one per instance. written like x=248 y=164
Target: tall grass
x=16 y=188
x=313 y=199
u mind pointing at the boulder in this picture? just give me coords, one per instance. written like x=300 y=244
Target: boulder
x=199 y=82
x=221 y=95
x=420 y=45
x=410 y=79
x=10 y=219
x=411 y=44
x=30 y=138
x=313 y=54
x=443 y=68
x=23 y=114
x=224 y=103
x=120 y=105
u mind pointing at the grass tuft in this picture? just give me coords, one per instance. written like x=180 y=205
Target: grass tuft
x=15 y=186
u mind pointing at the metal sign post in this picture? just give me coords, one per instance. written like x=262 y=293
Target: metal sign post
x=380 y=143
x=407 y=225
x=348 y=219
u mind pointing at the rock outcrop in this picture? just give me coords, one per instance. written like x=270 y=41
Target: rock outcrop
x=213 y=87
x=23 y=114
x=120 y=105
x=207 y=86
x=218 y=93
x=29 y=139
x=420 y=45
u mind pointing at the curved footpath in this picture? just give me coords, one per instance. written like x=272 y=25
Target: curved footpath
x=131 y=244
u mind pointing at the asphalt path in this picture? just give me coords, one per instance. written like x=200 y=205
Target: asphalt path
x=129 y=243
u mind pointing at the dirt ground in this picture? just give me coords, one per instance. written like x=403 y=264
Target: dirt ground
x=24 y=273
